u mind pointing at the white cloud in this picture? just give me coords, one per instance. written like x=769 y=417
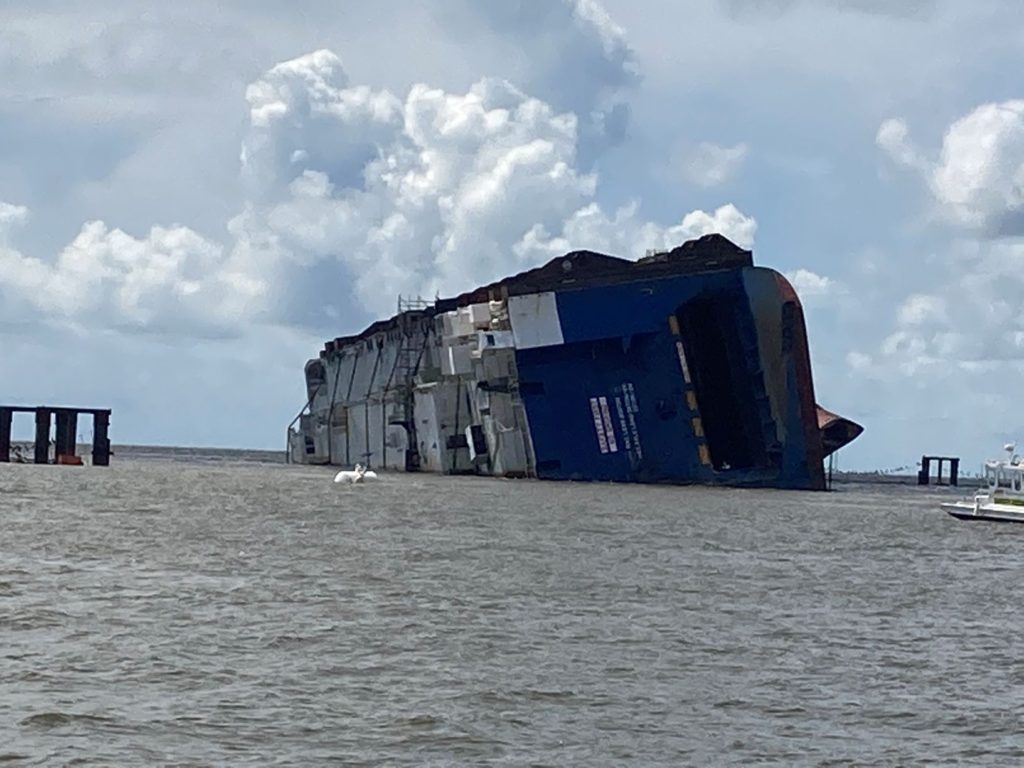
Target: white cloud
x=11 y=214
x=727 y=220
x=709 y=165
x=892 y=137
x=302 y=113
x=462 y=188
x=858 y=361
x=919 y=309
x=354 y=192
x=973 y=317
x=981 y=174
x=172 y=280
x=137 y=111
x=946 y=367
x=570 y=54
x=590 y=13
x=902 y=343
x=626 y=234
x=810 y=285
x=979 y=177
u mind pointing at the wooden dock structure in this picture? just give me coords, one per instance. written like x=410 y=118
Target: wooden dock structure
x=65 y=442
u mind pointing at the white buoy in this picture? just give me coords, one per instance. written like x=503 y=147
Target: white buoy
x=359 y=475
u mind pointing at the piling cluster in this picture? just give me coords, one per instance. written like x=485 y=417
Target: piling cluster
x=64 y=442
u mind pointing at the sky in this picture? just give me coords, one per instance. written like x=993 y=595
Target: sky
x=194 y=196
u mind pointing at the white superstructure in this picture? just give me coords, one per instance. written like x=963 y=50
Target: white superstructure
x=1002 y=497
x=404 y=395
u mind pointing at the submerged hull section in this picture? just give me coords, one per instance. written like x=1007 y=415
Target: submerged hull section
x=691 y=367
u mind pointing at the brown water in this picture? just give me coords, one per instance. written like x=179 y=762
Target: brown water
x=191 y=613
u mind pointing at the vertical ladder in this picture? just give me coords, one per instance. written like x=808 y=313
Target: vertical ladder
x=407 y=363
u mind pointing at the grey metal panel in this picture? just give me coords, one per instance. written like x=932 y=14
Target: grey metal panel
x=374 y=456
x=397 y=444
x=427 y=434
x=535 y=321
x=357 y=446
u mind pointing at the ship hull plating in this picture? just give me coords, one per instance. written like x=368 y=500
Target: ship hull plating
x=689 y=369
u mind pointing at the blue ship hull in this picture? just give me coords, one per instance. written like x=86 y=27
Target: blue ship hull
x=625 y=397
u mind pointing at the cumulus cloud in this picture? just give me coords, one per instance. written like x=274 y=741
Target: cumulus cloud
x=302 y=113
x=892 y=137
x=858 y=360
x=10 y=215
x=727 y=220
x=973 y=317
x=445 y=185
x=571 y=54
x=809 y=285
x=955 y=346
x=921 y=309
x=354 y=196
x=978 y=179
x=626 y=234
x=169 y=281
x=709 y=164
x=981 y=172
x=460 y=189
x=136 y=110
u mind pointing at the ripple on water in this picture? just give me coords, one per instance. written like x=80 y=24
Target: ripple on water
x=61 y=719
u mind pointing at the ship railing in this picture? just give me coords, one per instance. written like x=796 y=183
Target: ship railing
x=407 y=303
x=291 y=426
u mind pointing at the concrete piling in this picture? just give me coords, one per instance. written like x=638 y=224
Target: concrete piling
x=65 y=439
x=924 y=475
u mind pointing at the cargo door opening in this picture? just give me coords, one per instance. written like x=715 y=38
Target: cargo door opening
x=722 y=377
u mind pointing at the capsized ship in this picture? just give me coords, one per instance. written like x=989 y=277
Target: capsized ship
x=685 y=366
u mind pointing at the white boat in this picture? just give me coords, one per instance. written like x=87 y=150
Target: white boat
x=1002 y=498
x=358 y=475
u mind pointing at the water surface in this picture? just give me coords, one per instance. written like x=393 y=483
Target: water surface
x=172 y=611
